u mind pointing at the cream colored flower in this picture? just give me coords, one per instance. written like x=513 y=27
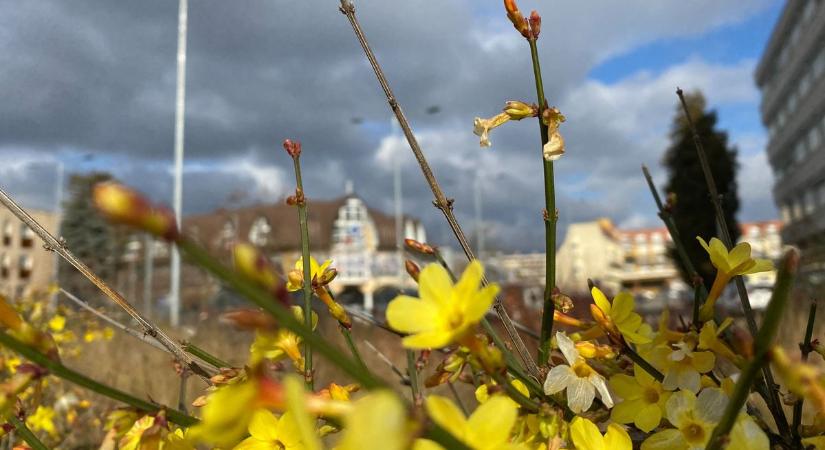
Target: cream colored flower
x=482 y=127
x=682 y=364
x=580 y=380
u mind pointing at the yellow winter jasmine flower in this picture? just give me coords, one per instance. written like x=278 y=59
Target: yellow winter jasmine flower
x=279 y=344
x=377 y=422
x=57 y=323
x=621 y=316
x=580 y=380
x=487 y=428
x=728 y=265
x=42 y=420
x=227 y=414
x=709 y=340
x=586 y=436
x=295 y=278
x=482 y=127
x=444 y=313
x=643 y=399
x=482 y=393
x=682 y=364
x=268 y=432
x=694 y=419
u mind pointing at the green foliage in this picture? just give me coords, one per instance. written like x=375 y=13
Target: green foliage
x=693 y=210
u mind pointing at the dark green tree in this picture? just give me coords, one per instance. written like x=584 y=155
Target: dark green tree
x=690 y=203
x=88 y=235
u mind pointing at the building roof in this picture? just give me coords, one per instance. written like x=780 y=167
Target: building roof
x=283 y=219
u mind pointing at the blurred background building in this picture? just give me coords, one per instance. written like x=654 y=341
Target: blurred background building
x=24 y=263
x=791 y=76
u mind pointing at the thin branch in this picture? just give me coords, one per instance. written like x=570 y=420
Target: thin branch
x=805 y=348
x=387 y=361
x=441 y=201
x=51 y=243
x=773 y=395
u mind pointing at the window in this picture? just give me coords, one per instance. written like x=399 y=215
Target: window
x=809 y=200
x=799 y=151
x=808 y=12
x=813 y=138
x=25 y=265
x=8 y=231
x=819 y=64
x=26 y=236
x=805 y=83
x=5 y=266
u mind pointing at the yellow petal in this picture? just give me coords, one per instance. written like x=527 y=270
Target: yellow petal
x=263 y=425
x=585 y=434
x=622 y=307
x=761 y=265
x=719 y=255
x=665 y=440
x=476 y=307
x=304 y=424
x=600 y=299
x=428 y=339
x=426 y=444
x=617 y=438
x=625 y=386
x=288 y=431
x=648 y=417
x=435 y=285
x=626 y=411
x=739 y=254
x=703 y=361
x=470 y=279
x=378 y=422
x=491 y=423
x=411 y=315
x=443 y=412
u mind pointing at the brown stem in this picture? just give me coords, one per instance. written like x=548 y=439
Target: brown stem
x=441 y=201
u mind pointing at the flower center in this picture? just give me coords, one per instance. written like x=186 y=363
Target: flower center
x=694 y=433
x=651 y=395
x=581 y=369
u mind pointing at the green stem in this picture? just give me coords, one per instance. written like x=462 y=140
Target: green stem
x=637 y=358
x=26 y=433
x=805 y=348
x=550 y=219
x=307 y=285
x=773 y=315
x=458 y=398
x=70 y=375
x=193 y=349
x=352 y=347
x=283 y=316
x=527 y=403
x=412 y=372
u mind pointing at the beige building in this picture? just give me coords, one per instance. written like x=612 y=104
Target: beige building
x=24 y=263
x=637 y=259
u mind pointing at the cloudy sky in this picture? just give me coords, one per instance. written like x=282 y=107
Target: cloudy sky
x=90 y=84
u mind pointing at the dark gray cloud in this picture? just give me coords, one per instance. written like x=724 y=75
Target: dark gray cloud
x=94 y=76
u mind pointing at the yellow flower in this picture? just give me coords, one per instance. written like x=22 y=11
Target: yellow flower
x=482 y=127
x=227 y=414
x=728 y=265
x=580 y=380
x=586 y=436
x=295 y=278
x=621 y=316
x=643 y=399
x=682 y=364
x=57 y=323
x=694 y=419
x=817 y=442
x=377 y=422
x=282 y=343
x=267 y=432
x=488 y=427
x=444 y=312
x=482 y=393
x=42 y=420
x=709 y=340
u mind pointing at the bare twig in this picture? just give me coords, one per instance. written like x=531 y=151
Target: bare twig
x=51 y=243
x=404 y=379
x=441 y=201
x=805 y=348
x=772 y=389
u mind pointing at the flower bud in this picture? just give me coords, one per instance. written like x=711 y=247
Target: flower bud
x=292 y=147
x=295 y=277
x=517 y=18
x=123 y=205
x=563 y=302
x=590 y=350
x=249 y=319
x=326 y=277
x=252 y=264
x=519 y=110
x=412 y=269
x=335 y=309
x=535 y=24
x=419 y=247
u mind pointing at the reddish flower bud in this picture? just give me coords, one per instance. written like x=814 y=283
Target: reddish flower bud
x=123 y=205
x=535 y=24
x=515 y=16
x=292 y=147
x=249 y=319
x=419 y=247
x=412 y=269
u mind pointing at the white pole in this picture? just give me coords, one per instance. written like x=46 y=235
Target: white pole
x=180 y=109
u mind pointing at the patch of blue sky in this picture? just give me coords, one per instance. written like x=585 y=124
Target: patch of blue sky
x=726 y=44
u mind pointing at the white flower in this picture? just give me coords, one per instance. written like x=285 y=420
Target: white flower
x=482 y=127
x=554 y=148
x=580 y=380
